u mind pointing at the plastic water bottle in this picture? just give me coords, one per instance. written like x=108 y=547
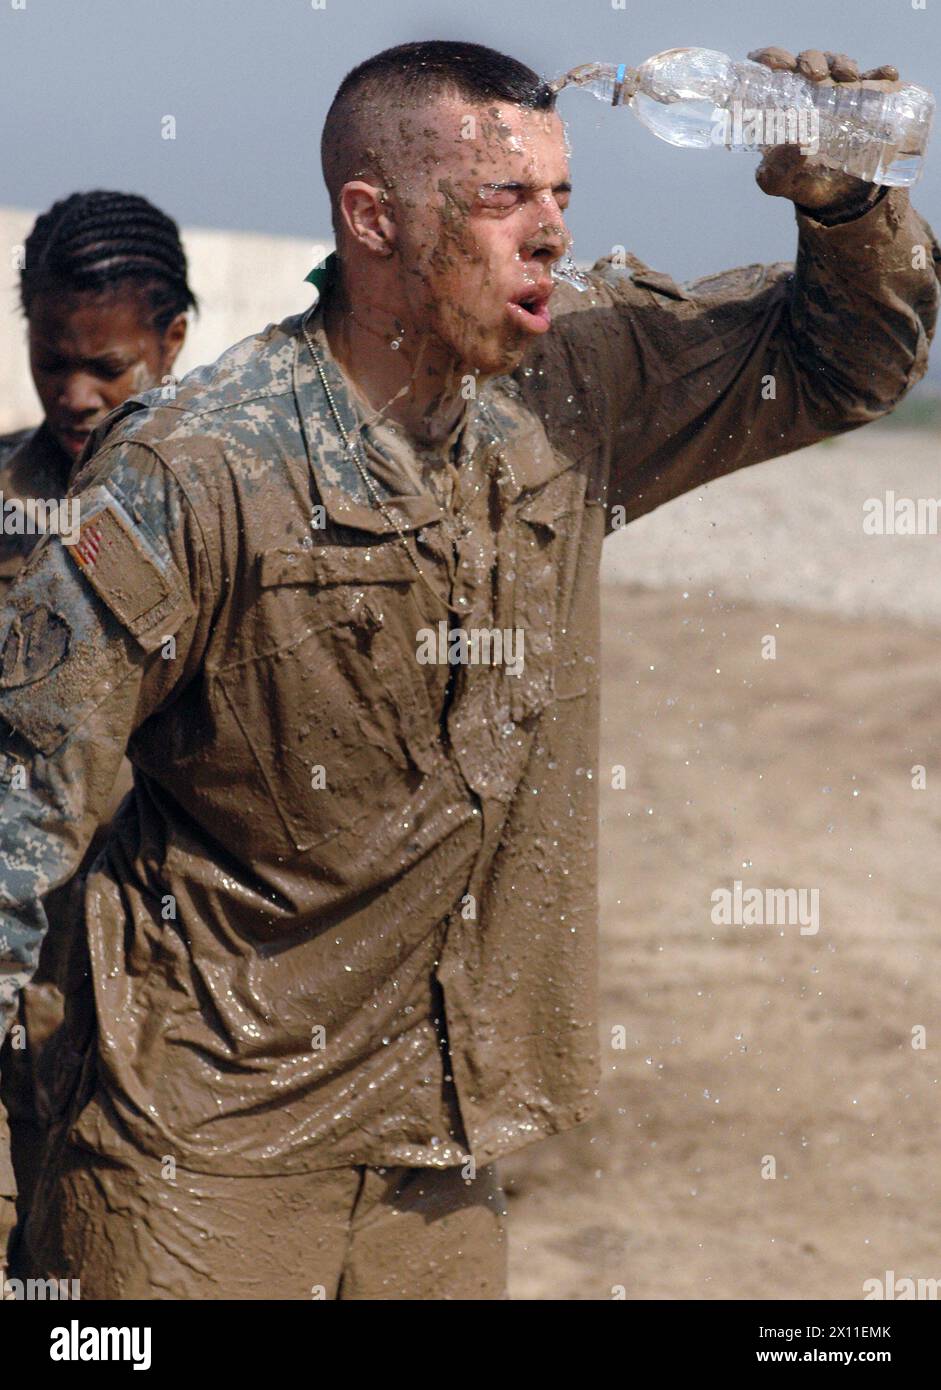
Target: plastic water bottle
x=696 y=98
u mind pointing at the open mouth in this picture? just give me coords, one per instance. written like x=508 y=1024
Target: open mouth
x=531 y=311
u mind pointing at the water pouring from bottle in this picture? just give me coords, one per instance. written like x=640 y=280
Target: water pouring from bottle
x=696 y=98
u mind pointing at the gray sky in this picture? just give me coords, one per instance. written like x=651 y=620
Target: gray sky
x=84 y=84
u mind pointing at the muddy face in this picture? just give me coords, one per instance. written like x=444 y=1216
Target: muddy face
x=88 y=353
x=479 y=211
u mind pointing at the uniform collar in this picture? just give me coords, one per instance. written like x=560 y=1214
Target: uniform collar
x=339 y=482
x=501 y=422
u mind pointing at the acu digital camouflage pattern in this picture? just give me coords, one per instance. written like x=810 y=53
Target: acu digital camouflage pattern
x=350 y=914
x=31 y=466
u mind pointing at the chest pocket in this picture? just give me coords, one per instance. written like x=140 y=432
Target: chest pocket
x=331 y=702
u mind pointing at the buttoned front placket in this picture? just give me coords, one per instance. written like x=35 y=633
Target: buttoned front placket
x=469 y=558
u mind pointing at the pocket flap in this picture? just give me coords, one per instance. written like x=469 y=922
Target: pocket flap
x=553 y=501
x=324 y=565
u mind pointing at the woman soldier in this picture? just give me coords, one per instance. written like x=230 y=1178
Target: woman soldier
x=105 y=294
x=104 y=291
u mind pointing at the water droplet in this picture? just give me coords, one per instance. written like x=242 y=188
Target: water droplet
x=566 y=271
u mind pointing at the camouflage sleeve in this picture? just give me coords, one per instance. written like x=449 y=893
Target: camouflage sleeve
x=81 y=668
x=699 y=379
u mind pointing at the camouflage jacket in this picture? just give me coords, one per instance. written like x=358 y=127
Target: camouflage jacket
x=349 y=914
x=31 y=466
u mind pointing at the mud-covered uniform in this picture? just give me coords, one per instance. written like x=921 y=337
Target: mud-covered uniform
x=31 y=466
x=348 y=921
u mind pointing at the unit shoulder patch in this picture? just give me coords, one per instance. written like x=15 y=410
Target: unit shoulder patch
x=36 y=643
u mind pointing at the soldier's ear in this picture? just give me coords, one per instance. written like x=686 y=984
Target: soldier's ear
x=173 y=340
x=368 y=217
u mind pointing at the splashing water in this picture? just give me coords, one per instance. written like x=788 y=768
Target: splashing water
x=568 y=273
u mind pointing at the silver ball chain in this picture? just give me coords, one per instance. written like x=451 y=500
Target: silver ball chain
x=355 y=450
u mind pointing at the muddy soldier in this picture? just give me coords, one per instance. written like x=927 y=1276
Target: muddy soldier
x=339 y=953
x=104 y=292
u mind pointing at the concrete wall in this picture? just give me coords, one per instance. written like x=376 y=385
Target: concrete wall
x=243 y=281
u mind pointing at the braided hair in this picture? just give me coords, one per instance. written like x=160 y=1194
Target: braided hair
x=100 y=240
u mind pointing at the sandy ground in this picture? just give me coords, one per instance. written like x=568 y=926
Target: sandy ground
x=750 y=1041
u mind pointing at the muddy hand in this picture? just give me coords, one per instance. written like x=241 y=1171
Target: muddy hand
x=784 y=172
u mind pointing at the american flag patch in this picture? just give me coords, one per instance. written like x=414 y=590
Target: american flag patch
x=119 y=563
x=88 y=546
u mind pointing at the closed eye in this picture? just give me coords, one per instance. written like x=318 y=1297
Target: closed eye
x=500 y=195
x=504 y=196
x=109 y=371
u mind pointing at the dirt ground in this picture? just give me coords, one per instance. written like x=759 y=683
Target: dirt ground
x=744 y=1042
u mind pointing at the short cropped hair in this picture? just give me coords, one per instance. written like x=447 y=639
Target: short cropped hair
x=413 y=75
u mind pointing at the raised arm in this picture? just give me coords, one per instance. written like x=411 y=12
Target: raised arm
x=679 y=384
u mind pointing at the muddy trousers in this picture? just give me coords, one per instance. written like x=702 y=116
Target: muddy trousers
x=23 y=1122
x=364 y=1233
